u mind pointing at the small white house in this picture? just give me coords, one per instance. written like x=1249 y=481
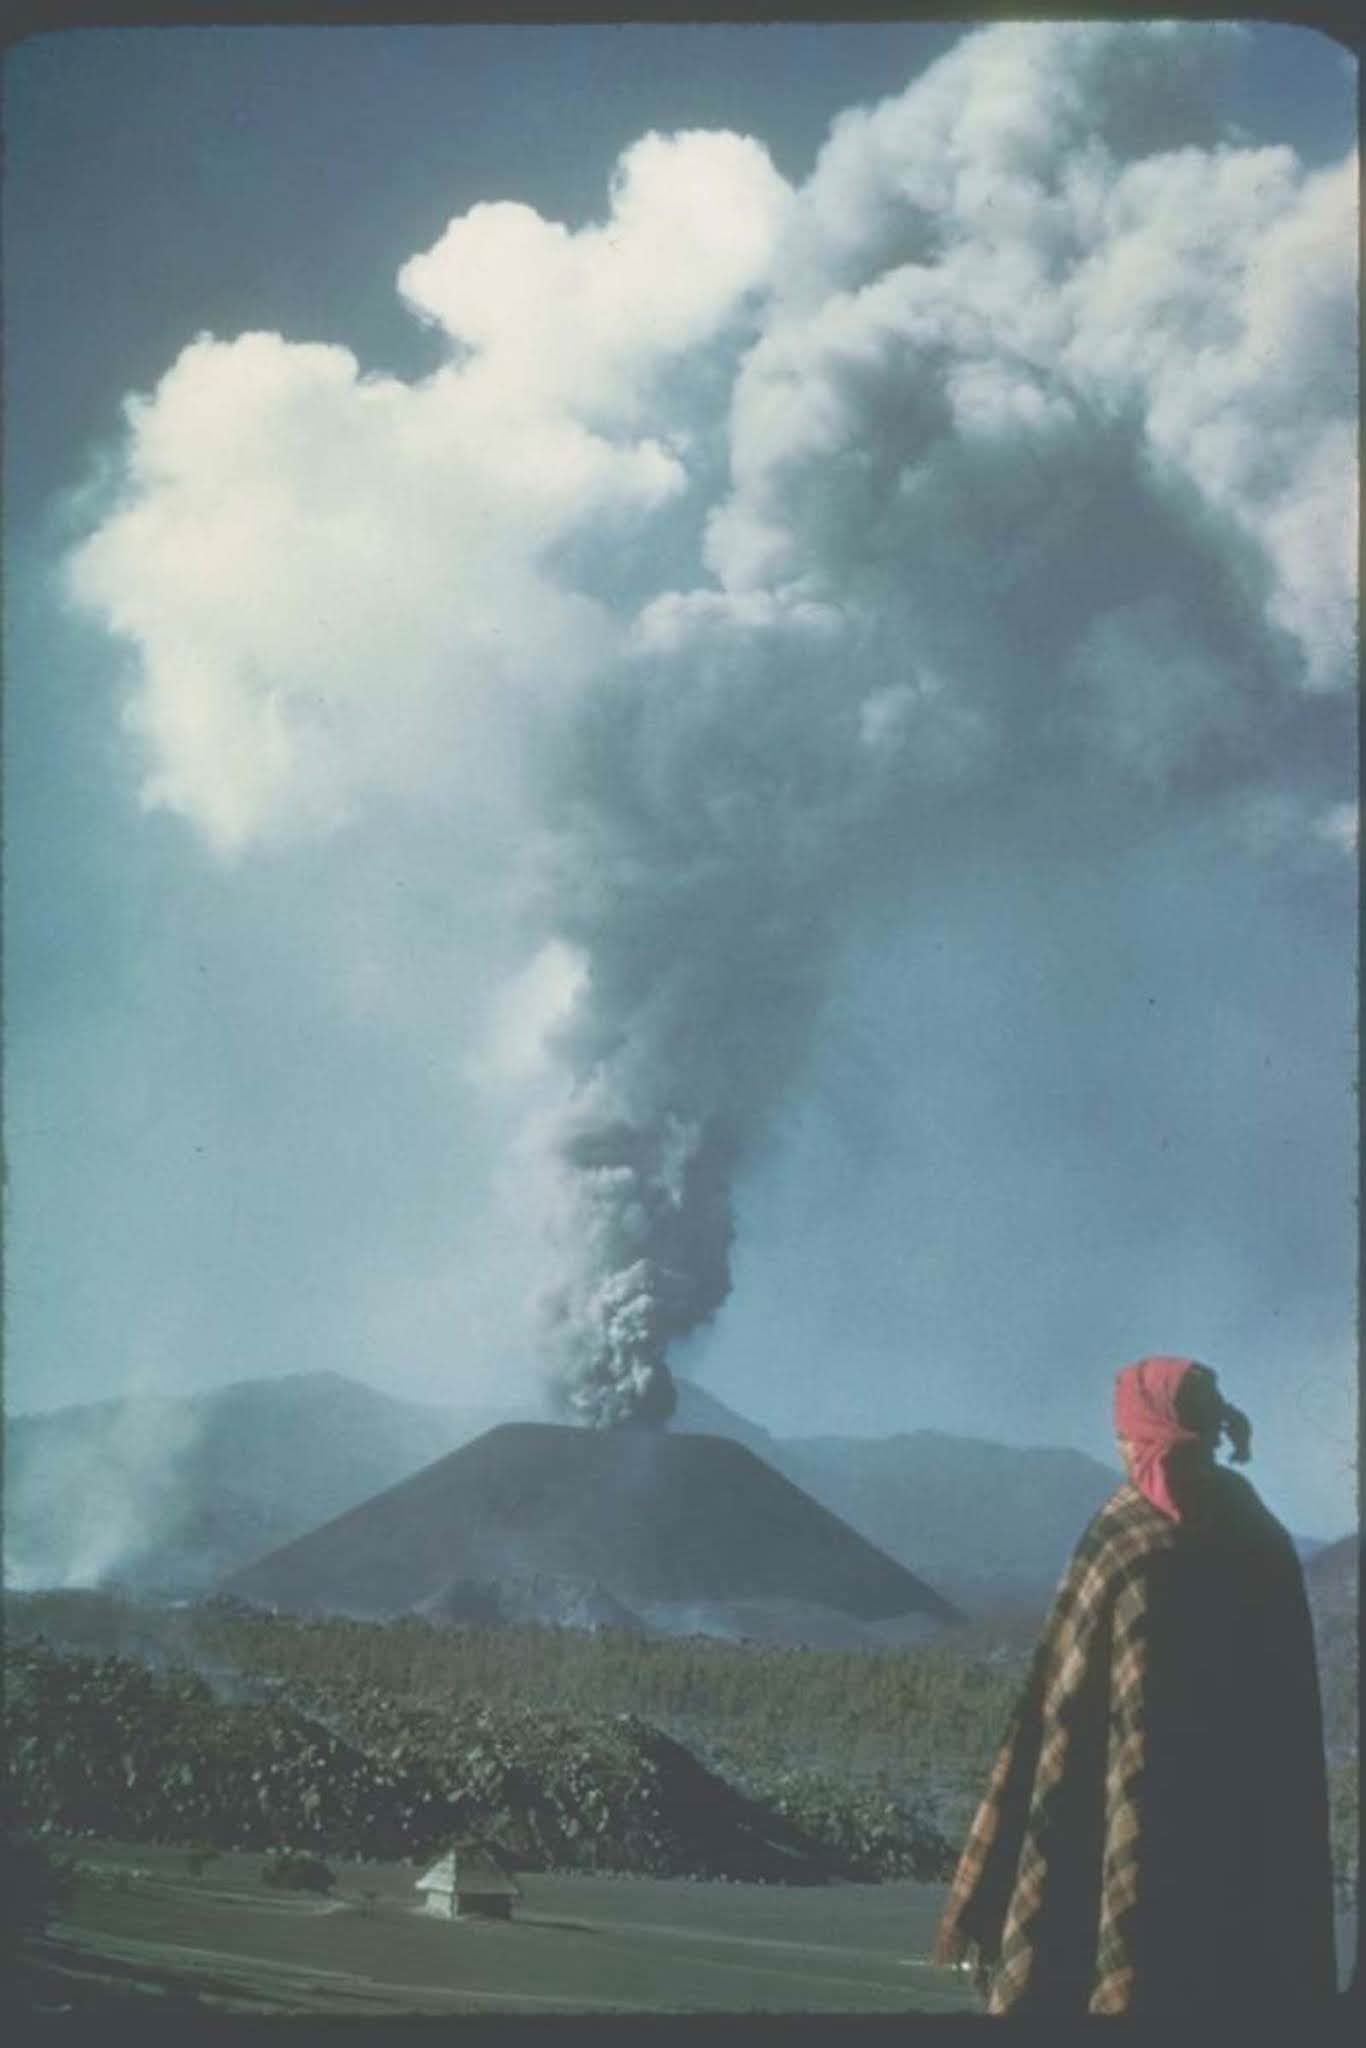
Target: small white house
x=469 y=1883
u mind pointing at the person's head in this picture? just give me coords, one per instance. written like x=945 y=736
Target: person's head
x=1202 y=1408
x=1169 y=1417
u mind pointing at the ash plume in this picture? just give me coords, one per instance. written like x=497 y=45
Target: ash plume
x=994 y=483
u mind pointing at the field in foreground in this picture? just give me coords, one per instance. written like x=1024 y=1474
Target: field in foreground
x=217 y=1733
x=141 y=1933
x=141 y=1928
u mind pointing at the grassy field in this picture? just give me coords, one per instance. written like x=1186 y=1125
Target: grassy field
x=141 y=1928
x=142 y=1932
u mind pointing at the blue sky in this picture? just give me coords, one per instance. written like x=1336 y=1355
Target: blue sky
x=1011 y=1041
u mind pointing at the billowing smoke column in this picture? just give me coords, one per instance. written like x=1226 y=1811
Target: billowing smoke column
x=1017 y=506
x=655 y=1246
x=713 y=820
x=999 y=478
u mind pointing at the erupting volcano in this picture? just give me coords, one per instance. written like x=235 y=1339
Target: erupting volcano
x=665 y=1524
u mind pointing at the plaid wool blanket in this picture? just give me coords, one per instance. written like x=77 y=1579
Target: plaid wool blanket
x=1153 y=1837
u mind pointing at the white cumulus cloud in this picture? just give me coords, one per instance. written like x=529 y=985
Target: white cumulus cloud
x=334 y=584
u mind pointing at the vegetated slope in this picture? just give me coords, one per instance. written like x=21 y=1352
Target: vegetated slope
x=902 y=1712
x=846 y=1744
x=650 y=1517
x=105 y=1747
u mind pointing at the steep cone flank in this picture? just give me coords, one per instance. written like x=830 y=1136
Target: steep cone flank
x=647 y=1516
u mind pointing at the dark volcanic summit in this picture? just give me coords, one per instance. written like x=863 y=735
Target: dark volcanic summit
x=647 y=1516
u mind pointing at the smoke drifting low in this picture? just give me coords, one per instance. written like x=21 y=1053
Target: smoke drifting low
x=1017 y=447
x=94 y=1494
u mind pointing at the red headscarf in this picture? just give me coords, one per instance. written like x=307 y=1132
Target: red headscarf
x=1145 y=1415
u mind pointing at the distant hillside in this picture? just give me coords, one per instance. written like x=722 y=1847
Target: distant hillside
x=991 y=1525
x=987 y=1521
x=645 y=1517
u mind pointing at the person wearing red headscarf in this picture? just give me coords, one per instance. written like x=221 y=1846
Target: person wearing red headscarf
x=1154 y=1840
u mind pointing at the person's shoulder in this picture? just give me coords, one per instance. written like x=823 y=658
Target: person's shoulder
x=1126 y=1530
x=1126 y=1509
x=1242 y=1508
x=1237 y=1525
x=1125 y=1545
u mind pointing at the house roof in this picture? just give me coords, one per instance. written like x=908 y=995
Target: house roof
x=469 y=1867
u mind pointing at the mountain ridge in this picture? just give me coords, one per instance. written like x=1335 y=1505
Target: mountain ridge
x=176 y=1491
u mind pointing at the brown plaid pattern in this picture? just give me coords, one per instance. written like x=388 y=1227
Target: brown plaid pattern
x=1085 y=1688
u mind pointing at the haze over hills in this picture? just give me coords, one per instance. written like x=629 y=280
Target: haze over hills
x=156 y=1491
x=672 y=1524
